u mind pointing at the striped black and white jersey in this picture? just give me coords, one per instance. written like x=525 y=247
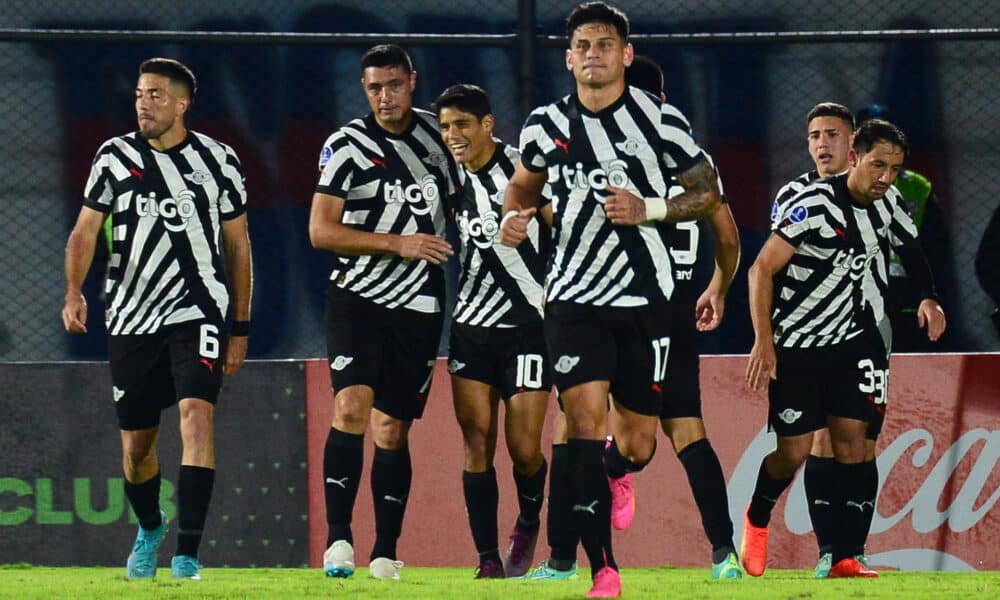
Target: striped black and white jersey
x=789 y=191
x=637 y=144
x=499 y=286
x=835 y=283
x=396 y=184
x=167 y=208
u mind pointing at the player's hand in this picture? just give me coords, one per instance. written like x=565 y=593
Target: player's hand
x=931 y=315
x=424 y=246
x=236 y=353
x=74 y=314
x=514 y=229
x=623 y=207
x=709 y=309
x=762 y=366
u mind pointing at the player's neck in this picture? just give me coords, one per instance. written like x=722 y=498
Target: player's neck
x=596 y=99
x=484 y=157
x=857 y=193
x=396 y=127
x=170 y=138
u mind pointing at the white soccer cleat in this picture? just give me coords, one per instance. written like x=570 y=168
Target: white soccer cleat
x=385 y=568
x=338 y=560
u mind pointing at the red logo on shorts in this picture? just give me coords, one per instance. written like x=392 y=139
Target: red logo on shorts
x=657 y=388
x=208 y=363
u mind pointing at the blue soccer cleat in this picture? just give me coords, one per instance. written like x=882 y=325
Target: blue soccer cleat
x=141 y=563
x=185 y=567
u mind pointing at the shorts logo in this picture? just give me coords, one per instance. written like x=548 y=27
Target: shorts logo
x=798 y=214
x=790 y=416
x=566 y=363
x=455 y=366
x=341 y=362
x=117 y=393
x=198 y=177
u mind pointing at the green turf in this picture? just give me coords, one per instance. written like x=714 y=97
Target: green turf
x=23 y=581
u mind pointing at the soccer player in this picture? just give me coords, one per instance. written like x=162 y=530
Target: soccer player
x=610 y=151
x=681 y=416
x=817 y=294
x=180 y=265
x=379 y=206
x=497 y=341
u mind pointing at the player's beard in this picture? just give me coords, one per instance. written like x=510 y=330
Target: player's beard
x=154 y=130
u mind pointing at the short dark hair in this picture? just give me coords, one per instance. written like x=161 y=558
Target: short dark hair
x=873 y=111
x=466 y=98
x=645 y=74
x=387 y=55
x=831 y=109
x=173 y=70
x=874 y=131
x=597 y=12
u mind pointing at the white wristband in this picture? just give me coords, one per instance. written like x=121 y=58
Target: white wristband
x=507 y=217
x=656 y=208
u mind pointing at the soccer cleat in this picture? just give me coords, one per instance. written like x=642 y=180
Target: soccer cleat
x=185 y=567
x=622 y=501
x=753 y=548
x=861 y=558
x=544 y=571
x=607 y=584
x=850 y=567
x=141 y=562
x=728 y=568
x=490 y=568
x=384 y=568
x=823 y=566
x=338 y=560
x=521 y=551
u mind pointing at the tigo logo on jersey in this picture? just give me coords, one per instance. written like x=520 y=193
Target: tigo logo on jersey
x=175 y=212
x=425 y=191
x=455 y=366
x=198 y=177
x=615 y=175
x=481 y=230
x=117 y=393
x=790 y=416
x=566 y=363
x=341 y=362
x=857 y=264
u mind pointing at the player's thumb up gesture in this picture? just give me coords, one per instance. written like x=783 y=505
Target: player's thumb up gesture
x=514 y=226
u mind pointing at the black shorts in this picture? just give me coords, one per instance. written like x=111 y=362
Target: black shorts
x=511 y=359
x=681 y=386
x=838 y=381
x=627 y=347
x=389 y=350
x=153 y=371
x=873 y=379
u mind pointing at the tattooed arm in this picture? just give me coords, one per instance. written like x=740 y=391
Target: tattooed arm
x=700 y=199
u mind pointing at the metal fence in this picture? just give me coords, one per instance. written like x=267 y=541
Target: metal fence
x=277 y=77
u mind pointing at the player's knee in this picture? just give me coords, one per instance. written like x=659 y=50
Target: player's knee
x=196 y=427
x=525 y=455
x=639 y=449
x=390 y=434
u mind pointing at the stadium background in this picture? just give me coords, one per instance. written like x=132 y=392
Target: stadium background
x=276 y=98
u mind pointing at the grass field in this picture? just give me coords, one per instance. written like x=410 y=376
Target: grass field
x=24 y=581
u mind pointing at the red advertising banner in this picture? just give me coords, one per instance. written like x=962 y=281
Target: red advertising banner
x=938 y=456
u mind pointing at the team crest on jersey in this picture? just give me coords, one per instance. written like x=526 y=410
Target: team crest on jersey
x=566 y=363
x=798 y=214
x=436 y=159
x=629 y=147
x=198 y=177
x=790 y=416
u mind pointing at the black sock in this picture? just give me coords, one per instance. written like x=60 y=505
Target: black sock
x=343 y=458
x=194 y=492
x=530 y=493
x=818 y=480
x=392 y=473
x=482 y=498
x=871 y=481
x=765 y=496
x=617 y=465
x=145 y=500
x=708 y=485
x=591 y=501
x=852 y=505
x=560 y=528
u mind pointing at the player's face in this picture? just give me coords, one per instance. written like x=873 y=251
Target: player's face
x=874 y=171
x=390 y=93
x=466 y=136
x=598 y=55
x=159 y=105
x=829 y=144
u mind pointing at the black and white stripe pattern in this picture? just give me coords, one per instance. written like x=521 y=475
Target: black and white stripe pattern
x=835 y=283
x=390 y=184
x=499 y=286
x=637 y=143
x=789 y=191
x=166 y=262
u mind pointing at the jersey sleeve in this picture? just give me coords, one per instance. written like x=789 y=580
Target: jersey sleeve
x=680 y=151
x=98 y=193
x=799 y=220
x=233 y=192
x=532 y=143
x=337 y=165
